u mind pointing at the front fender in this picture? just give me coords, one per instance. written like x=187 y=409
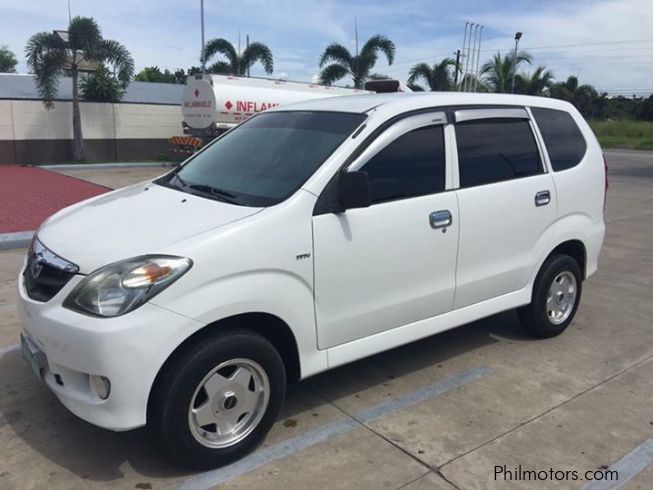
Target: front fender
x=276 y=292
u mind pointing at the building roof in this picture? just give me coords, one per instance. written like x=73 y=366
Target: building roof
x=22 y=87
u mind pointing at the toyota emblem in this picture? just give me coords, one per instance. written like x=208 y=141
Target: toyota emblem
x=36 y=268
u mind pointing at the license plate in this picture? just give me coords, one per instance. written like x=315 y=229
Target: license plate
x=32 y=356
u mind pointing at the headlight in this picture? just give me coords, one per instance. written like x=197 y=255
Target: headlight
x=119 y=288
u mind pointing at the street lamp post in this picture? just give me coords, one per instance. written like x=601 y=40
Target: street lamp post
x=203 y=51
x=514 y=61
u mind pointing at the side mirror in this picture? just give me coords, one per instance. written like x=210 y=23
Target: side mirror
x=354 y=189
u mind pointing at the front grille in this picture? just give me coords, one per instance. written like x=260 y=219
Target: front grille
x=46 y=273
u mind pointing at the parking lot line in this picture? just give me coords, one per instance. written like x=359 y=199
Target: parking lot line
x=628 y=467
x=8 y=349
x=280 y=450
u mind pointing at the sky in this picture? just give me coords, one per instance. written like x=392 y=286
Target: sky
x=607 y=43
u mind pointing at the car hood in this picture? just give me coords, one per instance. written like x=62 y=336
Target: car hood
x=136 y=220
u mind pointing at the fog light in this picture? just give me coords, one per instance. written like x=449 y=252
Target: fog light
x=101 y=385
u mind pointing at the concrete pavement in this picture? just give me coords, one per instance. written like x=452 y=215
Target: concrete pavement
x=579 y=402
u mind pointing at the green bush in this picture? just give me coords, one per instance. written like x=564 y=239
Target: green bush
x=637 y=135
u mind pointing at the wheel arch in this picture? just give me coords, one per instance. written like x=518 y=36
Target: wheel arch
x=574 y=248
x=269 y=326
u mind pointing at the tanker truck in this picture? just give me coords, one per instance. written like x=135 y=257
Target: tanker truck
x=212 y=104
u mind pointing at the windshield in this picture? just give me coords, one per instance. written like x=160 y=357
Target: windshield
x=265 y=159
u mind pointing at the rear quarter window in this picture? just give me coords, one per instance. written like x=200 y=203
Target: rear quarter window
x=564 y=142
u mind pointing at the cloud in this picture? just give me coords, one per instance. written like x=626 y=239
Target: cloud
x=167 y=32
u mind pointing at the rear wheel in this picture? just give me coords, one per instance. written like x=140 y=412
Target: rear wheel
x=556 y=295
x=217 y=401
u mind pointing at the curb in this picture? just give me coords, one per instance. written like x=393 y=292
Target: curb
x=104 y=166
x=10 y=241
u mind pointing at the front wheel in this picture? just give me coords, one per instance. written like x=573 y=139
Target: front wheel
x=556 y=295
x=216 y=402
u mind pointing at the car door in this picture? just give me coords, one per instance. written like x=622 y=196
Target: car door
x=391 y=263
x=506 y=199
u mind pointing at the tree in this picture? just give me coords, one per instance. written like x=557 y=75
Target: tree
x=582 y=96
x=154 y=74
x=8 y=60
x=471 y=82
x=537 y=83
x=50 y=55
x=101 y=86
x=438 y=77
x=497 y=73
x=344 y=64
x=237 y=64
x=414 y=87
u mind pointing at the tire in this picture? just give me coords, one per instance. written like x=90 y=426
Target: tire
x=244 y=372
x=538 y=317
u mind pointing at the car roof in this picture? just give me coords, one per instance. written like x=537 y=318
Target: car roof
x=400 y=102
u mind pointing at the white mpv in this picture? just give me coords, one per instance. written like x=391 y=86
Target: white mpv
x=308 y=237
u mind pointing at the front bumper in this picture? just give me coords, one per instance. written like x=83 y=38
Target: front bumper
x=129 y=351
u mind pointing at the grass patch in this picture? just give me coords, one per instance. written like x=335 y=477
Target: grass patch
x=636 y=135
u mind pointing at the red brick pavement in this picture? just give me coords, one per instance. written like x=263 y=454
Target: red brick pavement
x=28 y=195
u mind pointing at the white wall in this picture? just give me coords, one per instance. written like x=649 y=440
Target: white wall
x=6 y=124
x=30 y=120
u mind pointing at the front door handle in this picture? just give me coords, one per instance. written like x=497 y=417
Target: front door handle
x=440 y=219
x=542 y=198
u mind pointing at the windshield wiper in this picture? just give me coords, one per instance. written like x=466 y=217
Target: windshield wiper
x=180 y=180
x=221 y=194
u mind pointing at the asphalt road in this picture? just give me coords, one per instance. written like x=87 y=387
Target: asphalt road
x=464 y=409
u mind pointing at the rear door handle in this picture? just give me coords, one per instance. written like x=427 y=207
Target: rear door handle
x=440 y=219
x=542 y=198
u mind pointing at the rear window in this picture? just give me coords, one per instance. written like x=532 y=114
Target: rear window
x=564 y=141
x=494 y=150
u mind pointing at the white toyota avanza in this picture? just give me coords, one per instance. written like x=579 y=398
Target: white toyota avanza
x=305 y=238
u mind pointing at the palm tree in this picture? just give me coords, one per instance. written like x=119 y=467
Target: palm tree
x=473 y=83
x=438 y=78
x=357 y=66
x=571 y=91
x=49 y=55
x=414 y=87
x=238 y=64
x=537 y=83
x=497 y=72
x=582 y=96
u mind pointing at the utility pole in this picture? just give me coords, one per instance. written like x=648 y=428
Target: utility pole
x=70 y=17
x=457 y=67
x=469 y=45
x=478 y=57
x=356 y=67
x=247 y=46
x=468 y=81
x=203 y=47
x=461 y=68
x=514 y=62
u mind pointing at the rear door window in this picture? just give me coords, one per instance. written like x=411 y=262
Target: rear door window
x=494 y=150
x=564 y=141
